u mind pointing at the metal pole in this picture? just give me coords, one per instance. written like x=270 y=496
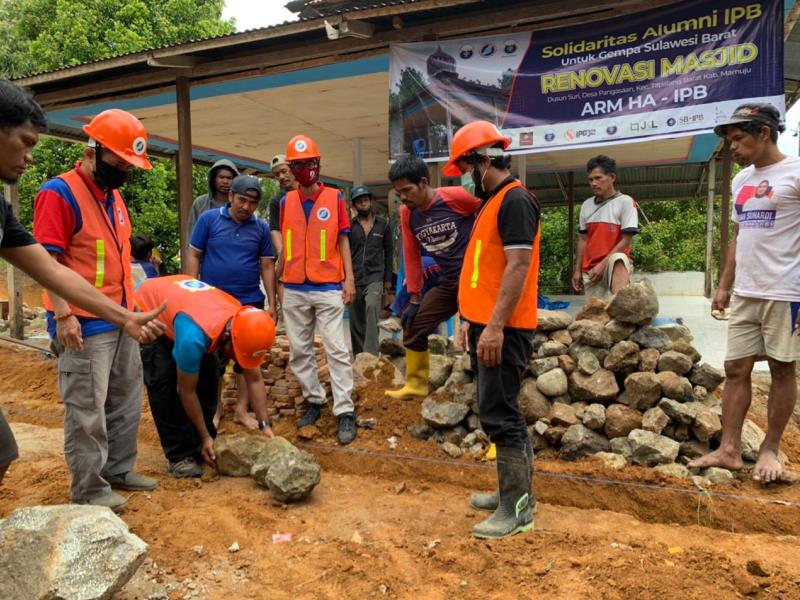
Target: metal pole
x=571 y=228
x=712 y=176
x=725 y=210
x=184 y=159
x=16 y=320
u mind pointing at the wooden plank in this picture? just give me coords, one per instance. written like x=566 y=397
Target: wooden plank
x=16 y=321
x=185 y=198
x=725 y=209
x=712 y=175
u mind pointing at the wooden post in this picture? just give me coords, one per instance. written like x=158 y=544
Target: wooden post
x=725 y=209
x=436 y=174
x=184 y=166
x=571 y=228
x=358 y=178
x=712 y=176
x=16 y=320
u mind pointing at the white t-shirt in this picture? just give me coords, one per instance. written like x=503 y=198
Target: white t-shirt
x=603 y=225
x=767 y=209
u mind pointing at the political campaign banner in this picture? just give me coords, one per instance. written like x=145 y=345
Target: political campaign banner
x=671 y=71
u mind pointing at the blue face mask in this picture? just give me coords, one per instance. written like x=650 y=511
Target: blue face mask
x=468 y=183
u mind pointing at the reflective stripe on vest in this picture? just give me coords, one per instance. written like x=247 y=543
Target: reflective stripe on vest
x=100 y=251
x=210 y=308
x=482 y=272
x=311 y=252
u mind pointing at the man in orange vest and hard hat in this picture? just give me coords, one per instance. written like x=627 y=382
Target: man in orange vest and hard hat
x=318 y=281
x=81 y=219
x=21 y=122
x=181 y=368
x=497 y=300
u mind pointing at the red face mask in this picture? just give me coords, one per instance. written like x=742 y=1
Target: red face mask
x=306 y=173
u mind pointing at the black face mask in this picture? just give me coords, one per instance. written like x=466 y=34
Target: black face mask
x=108 y=176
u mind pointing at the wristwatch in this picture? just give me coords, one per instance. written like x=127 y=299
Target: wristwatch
x=262 y=425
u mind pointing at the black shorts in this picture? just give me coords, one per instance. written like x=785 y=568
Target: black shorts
x=8 y=445
x=223 y=360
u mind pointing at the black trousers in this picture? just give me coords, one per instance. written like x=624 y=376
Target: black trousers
x=438 y=304
x=498 y=387
x=179 y=439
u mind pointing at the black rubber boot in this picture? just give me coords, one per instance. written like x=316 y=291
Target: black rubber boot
x=490 y=501
x=514 y=513
x=311 y=415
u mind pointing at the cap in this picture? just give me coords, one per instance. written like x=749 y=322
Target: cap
x=359 y=190
x=242 y=183
x=765 y=114
x=278 y=159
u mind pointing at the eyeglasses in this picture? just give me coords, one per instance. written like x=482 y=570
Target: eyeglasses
x=299 y=165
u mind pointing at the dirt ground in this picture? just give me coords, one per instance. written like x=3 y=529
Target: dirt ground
x=396 y=523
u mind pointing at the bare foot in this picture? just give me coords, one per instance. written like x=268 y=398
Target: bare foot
x=718 y=458
x=245 y=419
x=768 y=469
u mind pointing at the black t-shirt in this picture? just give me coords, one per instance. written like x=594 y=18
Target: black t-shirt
x=518 y=218
x=274 y=218
x=12 y=233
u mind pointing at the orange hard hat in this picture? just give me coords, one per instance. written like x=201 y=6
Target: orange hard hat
x=473 y=136
x=123 y=134
x=252 y=335
x=301 y=147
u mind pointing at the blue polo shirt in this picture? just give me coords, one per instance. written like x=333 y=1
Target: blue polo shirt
x=232 y=252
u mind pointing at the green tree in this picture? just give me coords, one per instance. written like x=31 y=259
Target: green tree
x=42 y=35
x=410 y=85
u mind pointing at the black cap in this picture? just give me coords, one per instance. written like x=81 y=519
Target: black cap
x=753 y=112
x=242 y=183
x=359 y=190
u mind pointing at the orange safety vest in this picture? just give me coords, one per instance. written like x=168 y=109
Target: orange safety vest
x=209 y=307
x=95 y=252
x=482 y=271
x=311 y=247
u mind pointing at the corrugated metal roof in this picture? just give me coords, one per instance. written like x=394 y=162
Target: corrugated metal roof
x=315 y=9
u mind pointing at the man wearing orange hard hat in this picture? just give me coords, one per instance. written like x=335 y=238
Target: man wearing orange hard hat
x=181 y=367
x=81 y=219
x=497 y=299
x=318 y=281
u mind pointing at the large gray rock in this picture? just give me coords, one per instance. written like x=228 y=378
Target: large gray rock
x=391 y=347
x=752 y=438
x=552 y=348
x=651 y=337
x=440 y=369
x=66 y=552
x=650 y=449
x=464 y=393
x=622 y=446
x=623 y=355
x=532 y=403
x=642 y=391
x=237 y=452
x=601 y=386
x=621 y=420
x=443 y=415
x=706 y=425
x=590 y=333
x=368 y=369
x=539 y=366
x=636 y=303
x=684 y=347
x=577 y=349
x=289 y=473
x=673 y=470
x=588 y=363
x=655 y=420
x=676 y=331
x=562 y=415
x=594 y=310
x=552 y=320
x=553 y=383
x=594 y=416
x=694 y=449
x=674 y=386
x=707 y=376
x=619 y=330
x=611 y=460
x=677 y=411
x=438 y=344
x=578 y=441
x=456 y=380
x=562 y=336
x=463 y=363
x=674 y=361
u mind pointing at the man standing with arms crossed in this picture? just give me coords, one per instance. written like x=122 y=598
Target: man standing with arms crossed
x=497 y=298
x=439 y=220
x=81 y=218
x=318 y=281
x=608 y=222
x=764 y=259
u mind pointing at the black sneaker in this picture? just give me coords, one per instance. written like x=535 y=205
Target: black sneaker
x=312 y=415
x=347 y=428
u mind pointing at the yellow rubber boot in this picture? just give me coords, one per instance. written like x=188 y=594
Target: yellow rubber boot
x=491 y=453
x=417 y=370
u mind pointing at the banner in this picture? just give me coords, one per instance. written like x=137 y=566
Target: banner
x=671 y=71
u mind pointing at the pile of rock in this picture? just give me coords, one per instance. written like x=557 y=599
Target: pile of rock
x=290 y=474
x=606 y=381
x=284 y=394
